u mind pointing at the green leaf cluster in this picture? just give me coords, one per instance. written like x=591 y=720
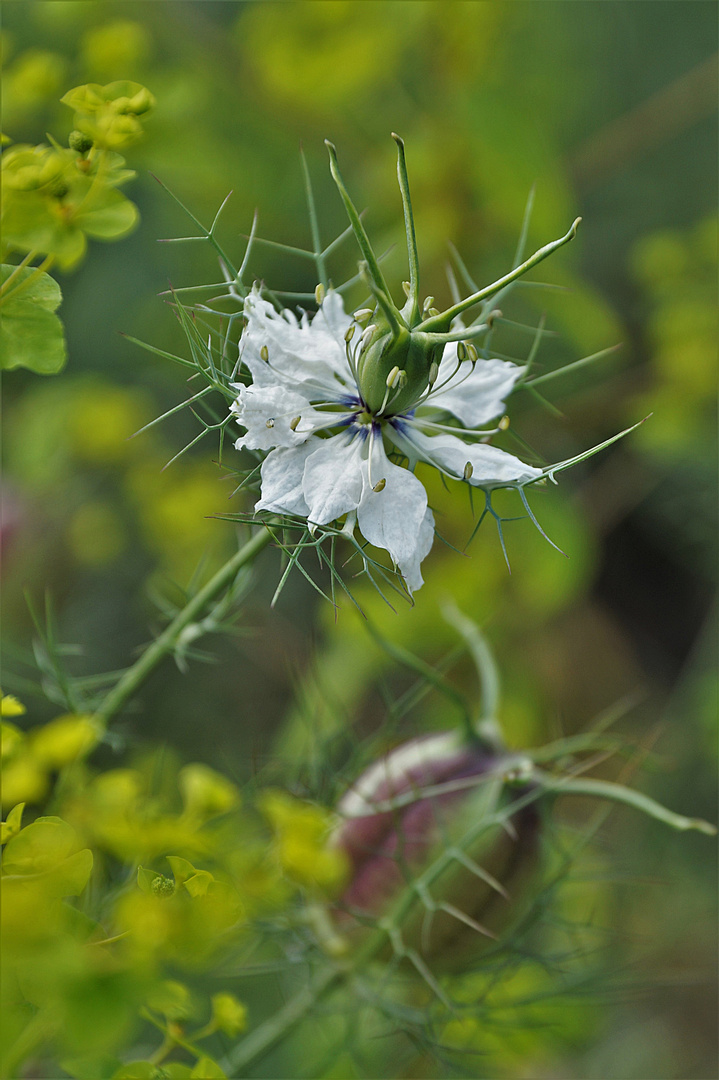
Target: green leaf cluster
x=54 y=199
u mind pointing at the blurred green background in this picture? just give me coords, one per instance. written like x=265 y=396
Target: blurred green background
x=609 y=109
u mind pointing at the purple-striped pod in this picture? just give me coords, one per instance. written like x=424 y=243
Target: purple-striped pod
x=440 y=835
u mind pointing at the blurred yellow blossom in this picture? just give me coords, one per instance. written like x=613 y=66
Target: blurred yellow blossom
x=32 y=77
x=64 y=739
x=678 y=270
x=96 y=534
x=101 y=421
x=11 y=706
x=29 y=757
x=111 y=49
x=205 y=792
x=228 y=1014
x=301 y=830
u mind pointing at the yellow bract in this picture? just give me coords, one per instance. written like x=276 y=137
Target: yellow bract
x=229 y=1014
x=205 y=792
x=30 y=757
x=301 y=831
x=11 y=706
x=109 y=114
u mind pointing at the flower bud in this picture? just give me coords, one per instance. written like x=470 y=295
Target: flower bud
x=163 y=886
x=425 y=801
x=80 y=142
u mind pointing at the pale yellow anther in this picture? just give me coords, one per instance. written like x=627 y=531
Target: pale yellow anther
x=294 y=423
x=350 y=332
x=433 y=311
x=393 y=378
x=319 y=294
x=461 y=351
x=265 y=353
x=503 y=423
x=362 y=314
x=429 y=301
x=468 y=470
x=406 y=286
x=380 y=485
x=367 y=334
x=433 y=373
x=472 y=354
x=270 y=422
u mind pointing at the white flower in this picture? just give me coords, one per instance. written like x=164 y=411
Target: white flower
x=328 y=451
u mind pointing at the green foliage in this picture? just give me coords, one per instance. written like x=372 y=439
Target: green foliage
x=33 y=335
x=239 y=85
x=54 y=199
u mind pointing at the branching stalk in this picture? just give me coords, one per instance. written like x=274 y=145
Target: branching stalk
x=438 y=322
x=169 y=638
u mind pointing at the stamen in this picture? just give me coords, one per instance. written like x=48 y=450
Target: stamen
x=431 y=389
x=428 y=303
x=472 y=354
x=362 y=314
x=319 y=294
x=369 y=459
x=294 y=423
x=406 y=286
x=399 y=384
x=423 y=424
x=393 y=377
x=350 y=332
x=265 y=353
x=380 y=485
x=461 y=351
x=270 y=423
x=433 y=373
x=503 y=423
x=468 y=470
x=367 y=334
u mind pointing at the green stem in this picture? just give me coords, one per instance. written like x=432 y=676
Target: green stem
x=605 y=789
x=133 y=678
x=483 y=661
x=442 y=321
x=409 y=229
x=314 y=225
x=357 y=226
x=260 y=1041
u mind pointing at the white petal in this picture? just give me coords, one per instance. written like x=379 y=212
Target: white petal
x=281 y=475
x=332 y=481
x=451 y=455
x=310 y=354
x=425 y=539
x=332 y=316
x=396 y=518
x=474 y=397
x=268 y=411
